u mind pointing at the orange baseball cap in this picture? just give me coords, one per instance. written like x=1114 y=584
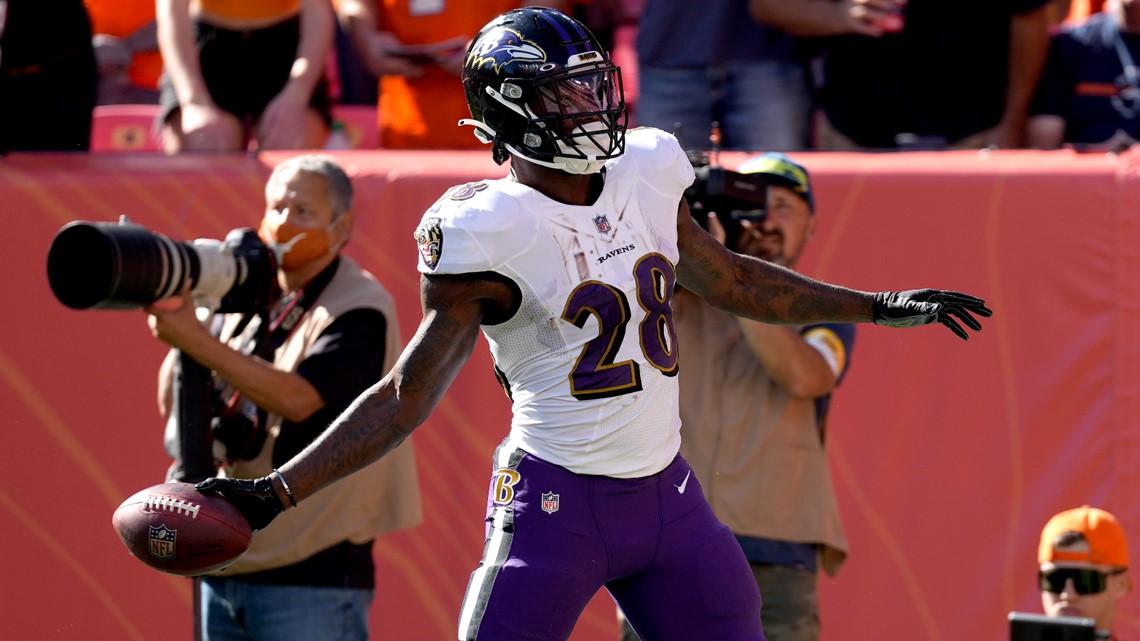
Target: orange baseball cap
x=1106 y=544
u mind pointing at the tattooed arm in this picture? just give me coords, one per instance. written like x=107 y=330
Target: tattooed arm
x=762 y=291
x=757 y=289
x=385 y=414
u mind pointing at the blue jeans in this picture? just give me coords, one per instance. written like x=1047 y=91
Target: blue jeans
x=760 y=106
x=235 y=610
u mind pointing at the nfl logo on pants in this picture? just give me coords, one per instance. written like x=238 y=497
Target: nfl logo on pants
x=549 y=502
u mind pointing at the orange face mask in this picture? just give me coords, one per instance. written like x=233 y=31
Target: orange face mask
x=295 y=246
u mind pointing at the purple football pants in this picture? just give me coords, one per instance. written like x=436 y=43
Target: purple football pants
x=554 y=538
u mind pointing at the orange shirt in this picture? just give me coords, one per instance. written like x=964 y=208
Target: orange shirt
x=421 y=113
x=250 y=9
x=1079 y=10
x=121 y=18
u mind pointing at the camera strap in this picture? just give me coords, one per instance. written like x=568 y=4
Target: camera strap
x=287 y=314
x=275 y=327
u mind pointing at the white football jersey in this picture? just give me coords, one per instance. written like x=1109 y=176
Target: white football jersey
x=590 y=357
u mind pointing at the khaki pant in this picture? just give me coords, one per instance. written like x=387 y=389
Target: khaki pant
x=791 y=605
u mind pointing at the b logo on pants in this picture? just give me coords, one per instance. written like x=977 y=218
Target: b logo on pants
x=505 y=481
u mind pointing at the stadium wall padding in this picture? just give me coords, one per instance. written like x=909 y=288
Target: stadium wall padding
x=948 y=456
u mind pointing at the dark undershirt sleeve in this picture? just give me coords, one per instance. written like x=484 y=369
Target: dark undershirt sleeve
x=345 y=360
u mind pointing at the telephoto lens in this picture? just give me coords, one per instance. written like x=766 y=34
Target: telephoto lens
x=104 y=265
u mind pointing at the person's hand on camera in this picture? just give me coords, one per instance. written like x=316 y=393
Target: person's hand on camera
x=254 y=498
x=716 y=228
x=175 y=321
x=925 y=306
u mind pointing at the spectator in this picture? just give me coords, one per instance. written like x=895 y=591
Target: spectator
x=1061 y=11
x=700 y=63
x=1080 y=10
x=920 y=73
x=281 y=378
x=357 y=84
x=1090 y=90
x=601 y=17
x=126 y=47
x=568 y=266
x=242 y=73
x=1083 y=560
x=754 y=405
x=48 y=76
x=417 y=51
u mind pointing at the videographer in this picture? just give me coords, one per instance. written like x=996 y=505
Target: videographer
x=754 y=400
x=281 y=376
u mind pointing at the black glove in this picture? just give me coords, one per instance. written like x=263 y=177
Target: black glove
x=254 y=498
x=925 y=306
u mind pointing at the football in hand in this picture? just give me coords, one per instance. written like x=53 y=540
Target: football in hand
x=175 y=528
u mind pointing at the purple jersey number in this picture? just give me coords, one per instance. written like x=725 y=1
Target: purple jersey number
x=595 y=374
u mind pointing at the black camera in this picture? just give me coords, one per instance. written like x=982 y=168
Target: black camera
x=733 y=196
x=122 y=265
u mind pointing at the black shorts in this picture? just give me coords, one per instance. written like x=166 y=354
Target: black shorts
x=46 y=106
x=244 y=70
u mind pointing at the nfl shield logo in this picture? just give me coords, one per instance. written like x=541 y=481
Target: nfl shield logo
x=549 y=502
x=160 y=543
x=602 y=223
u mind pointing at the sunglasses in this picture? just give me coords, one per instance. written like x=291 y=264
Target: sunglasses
x=1085 y=581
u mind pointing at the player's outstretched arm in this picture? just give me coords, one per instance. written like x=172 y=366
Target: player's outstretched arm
x=763 y=291
x=385 y=414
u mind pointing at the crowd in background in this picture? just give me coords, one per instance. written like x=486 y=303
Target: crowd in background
x=775 y=75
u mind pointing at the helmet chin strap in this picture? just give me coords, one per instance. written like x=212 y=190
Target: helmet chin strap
x=580 y=166
x=488 y=136
x=484 y=133
x=569 y=165
x=585 y=145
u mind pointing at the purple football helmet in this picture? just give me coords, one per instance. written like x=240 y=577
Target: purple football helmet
x=539 y=86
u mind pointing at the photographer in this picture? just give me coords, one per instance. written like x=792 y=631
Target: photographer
x=754 y=401
x=282 y=376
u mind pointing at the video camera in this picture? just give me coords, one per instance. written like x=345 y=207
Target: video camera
x=122 y=265
x=733 y=196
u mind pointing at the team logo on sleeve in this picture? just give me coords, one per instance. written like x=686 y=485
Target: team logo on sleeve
x=463 y=192
x=429 y=237
x=497 y=47
x=825 y=338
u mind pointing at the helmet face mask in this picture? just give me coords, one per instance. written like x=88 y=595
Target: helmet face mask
x=539 y=86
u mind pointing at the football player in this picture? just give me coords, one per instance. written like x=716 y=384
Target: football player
x=568 y=266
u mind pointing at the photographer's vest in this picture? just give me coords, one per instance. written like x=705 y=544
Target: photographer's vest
x=757 y=451
x=380 y=498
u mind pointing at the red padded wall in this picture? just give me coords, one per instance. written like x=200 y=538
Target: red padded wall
x=948 y=456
